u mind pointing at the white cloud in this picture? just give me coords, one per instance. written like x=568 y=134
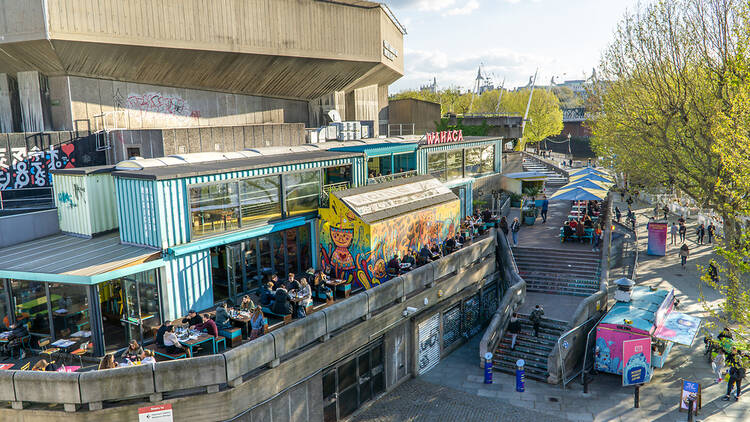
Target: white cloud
x=465 y=9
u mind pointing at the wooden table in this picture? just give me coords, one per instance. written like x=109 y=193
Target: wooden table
x=335 y=284
x=202 y=338
x=242 y=322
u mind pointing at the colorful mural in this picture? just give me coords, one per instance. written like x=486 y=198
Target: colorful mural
x=358 y=252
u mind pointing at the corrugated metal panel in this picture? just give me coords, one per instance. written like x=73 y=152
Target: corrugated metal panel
x=429 y=343
x=137 y=212
x=72 y=204
x=188 y=284
x=100 y=190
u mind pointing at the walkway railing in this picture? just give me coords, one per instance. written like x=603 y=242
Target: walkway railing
x=391 y=177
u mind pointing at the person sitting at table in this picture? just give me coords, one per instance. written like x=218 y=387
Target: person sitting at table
x=450 y=244
x=208 y=325
x=222 y=317
x=394 y=266
x=17 y=333
x=573 y=224
x=291 y=283
x=247 y=304
x=172 y=343
x=587 y=223
x=409 y=258
x=487 y=215
x=266 y=295
x=425 y=253
x=275 y=282
x=435 y=251
x=306 y=294
x=148 y=357
x=133 y=352
x=108 y=362
x=257 y=323
x=319 y=285
x=567 y=231
x=580 y=231
x=281 y=304
x=192 y=319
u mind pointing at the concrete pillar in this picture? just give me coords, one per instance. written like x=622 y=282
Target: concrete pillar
x=30 y=95
x=6 y=112
x=17 y=405
x=70 y=407
x=235 y=382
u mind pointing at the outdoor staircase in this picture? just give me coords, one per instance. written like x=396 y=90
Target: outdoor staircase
x=533 y=350
x=554 y=180
x=554 y=271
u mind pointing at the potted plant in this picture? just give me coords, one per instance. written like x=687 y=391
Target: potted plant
x=515 y=200
x=528 y=216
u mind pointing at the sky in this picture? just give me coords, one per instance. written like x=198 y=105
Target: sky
x=448 y=39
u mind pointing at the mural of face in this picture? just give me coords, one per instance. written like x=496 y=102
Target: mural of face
x=341 y=257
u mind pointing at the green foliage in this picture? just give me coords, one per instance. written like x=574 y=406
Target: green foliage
x=481 y=130
x=566 y=97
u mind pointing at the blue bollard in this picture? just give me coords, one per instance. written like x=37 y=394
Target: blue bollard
x=488 y=368
x=520 y=375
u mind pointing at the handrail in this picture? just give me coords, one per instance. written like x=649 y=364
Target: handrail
x=586 y=352
x=559 y=355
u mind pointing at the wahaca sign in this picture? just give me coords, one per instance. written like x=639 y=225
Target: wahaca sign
x=443 y=137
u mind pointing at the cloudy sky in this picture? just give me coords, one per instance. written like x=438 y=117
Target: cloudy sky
x=448 y=39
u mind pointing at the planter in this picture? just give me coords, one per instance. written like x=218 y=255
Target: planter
x=515 y=204
x=529 y=220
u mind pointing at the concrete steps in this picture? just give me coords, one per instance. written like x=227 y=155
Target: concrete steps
x=555 y=271
x=554 y=179
x=533 y=350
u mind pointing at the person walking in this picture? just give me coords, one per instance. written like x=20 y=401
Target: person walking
x=717 y=364
x=673 y=231
x=666 y=211
x=514 y=327
x=597 y=238
x=515 y=226
x=683 y=231
x=684 y=253
x=545 y=206
x=536 y=318
x=736 y=374
x=711 y=232
x=700 y=232
x=618 y=214
x=504 y=226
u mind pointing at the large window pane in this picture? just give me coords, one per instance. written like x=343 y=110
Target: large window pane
x=30 y=299
x=252 y=274
x=488 y=159
x=291 y=251
x=149 y=297
x=304 y=246
x=259 y=201
x=214 y=208
x=473 y=161
x=264 y=248
x=404 y=162
x=336 y=175
x=302 y=192
x=454 y=165
x=70 y=309
x=278 y=245
x=436 y=165
x=378 y=166
x=4 y=316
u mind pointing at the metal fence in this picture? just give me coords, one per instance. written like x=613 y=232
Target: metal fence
x=26 y=199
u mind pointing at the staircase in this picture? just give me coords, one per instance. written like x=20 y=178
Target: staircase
x=533 y=350
x=554 y=180
x=563 y=272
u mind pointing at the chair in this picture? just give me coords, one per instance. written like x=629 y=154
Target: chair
x=80 y=352
x=26 y=366
x=49 y=351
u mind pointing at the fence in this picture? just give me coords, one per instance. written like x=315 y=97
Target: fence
x=27 y=199
x=398 y=129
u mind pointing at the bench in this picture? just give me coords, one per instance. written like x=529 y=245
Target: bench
x=161 y=351
x=323 y=297
x=285 y=318
x=222 y=340
x=233 y=336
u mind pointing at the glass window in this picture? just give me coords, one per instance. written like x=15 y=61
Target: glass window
x=480 y=160
x=149 y=298
x=378 y=166
x=259 y=200
x=214 y=208
x=30 y=300
x=305 y=256
x=404 y=162
x=335 y=175
x=4 y=316
x=291 y=251
x=252 y=274
x=488 y=159
x=264 y=248
x=436 y=165
x=70 y=308
x=302 y=192
x=278 y=246
x=454 y=164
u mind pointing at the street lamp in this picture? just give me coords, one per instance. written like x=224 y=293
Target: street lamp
x=571 y=154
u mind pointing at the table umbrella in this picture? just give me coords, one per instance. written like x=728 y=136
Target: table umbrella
x=589 y=170
x=579 y=194
x=587 y=183
x=591 y=176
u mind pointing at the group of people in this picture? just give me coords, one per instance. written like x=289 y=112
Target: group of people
x=514 y=228
x=727 y=360
x=277 y=296
x=134 y=354
x=577 y=228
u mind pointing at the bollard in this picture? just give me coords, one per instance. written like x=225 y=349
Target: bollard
x=585 y=383
x=690 y=410
x=488 y=368
x=520 y=375
x=637 y=396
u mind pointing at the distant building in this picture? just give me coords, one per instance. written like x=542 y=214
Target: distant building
x=433 y=87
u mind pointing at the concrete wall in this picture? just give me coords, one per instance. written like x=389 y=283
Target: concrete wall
x=30 y=94
x=21 y=228
x=163 y=142
x=423 y=114
x=275 y=375
x=10 y=113
x=142 y=106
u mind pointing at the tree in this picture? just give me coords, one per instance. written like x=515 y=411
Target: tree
x=545 y=116
x=671 y=113
x=567 y=98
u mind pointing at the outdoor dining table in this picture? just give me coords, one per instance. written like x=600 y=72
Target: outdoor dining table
x=241 y=320
x=339 y=285
x=196 y=339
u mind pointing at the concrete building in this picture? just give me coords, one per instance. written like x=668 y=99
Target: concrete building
x=422 y=114
x=154 y=64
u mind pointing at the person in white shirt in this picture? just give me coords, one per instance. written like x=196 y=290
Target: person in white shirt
x=172 y=343
x=148 y=357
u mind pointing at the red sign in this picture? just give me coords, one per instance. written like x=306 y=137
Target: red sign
x=443 y=137
x=160 y=413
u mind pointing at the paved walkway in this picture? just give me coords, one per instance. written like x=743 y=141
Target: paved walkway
x=607 y=400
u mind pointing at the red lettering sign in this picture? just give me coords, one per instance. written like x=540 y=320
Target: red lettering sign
x=444 y=137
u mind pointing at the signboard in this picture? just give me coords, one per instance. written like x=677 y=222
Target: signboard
x=657 y=239
x=690 y=390
x=161 y=413
x=666 y=306
x=444 y=137
x=389 y=51
x=636 y=355
x=679 y=328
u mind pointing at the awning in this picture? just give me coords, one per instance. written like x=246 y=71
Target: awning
x=70 y=259
x=579 y=194
x=679 y=328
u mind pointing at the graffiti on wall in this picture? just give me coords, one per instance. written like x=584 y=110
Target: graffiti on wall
x=358 y=252
x=22 y=167
x=154 y=107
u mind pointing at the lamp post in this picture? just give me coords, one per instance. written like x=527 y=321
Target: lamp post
x=571 y=154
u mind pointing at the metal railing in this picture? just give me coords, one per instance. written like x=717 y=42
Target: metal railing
x=28 y=203
x=391 y=177
x=563 y=340
x=584 y=366
x=327 y=189
x=398 y=129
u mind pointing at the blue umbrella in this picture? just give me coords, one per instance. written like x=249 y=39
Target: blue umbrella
x=591 y=176
x=579 y=194
x=588 y=170
x=586 y=183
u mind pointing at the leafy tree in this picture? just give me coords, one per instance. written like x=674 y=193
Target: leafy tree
x=566 y=97
x=672 y=111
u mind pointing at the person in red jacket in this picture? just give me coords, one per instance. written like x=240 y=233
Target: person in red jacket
x=209 y=325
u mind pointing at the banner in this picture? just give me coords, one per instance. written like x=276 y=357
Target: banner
x=690 y=390
x=636 y=356
x=657 y=239
x=679 y=328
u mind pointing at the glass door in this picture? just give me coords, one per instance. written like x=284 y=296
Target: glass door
x=234 y=271
x=148 y=296
x=131 y=312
